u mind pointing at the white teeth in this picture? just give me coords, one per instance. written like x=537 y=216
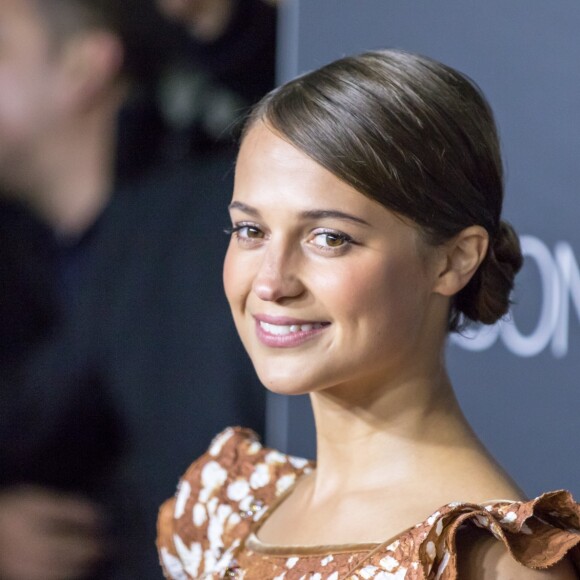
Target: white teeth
x=281 y=330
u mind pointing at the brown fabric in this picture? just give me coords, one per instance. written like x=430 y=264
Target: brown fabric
x=206 y=531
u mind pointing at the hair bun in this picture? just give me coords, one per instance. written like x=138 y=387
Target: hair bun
x=487 y=296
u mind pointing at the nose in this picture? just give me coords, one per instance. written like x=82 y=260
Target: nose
x=279 y=275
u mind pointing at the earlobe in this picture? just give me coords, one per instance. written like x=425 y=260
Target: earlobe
x=461 y=257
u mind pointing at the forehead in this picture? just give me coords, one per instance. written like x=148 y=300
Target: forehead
x=263 y=146
x=279 y=181
x=271 y=171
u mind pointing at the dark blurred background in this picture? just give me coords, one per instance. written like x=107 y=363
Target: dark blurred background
x=118 y=359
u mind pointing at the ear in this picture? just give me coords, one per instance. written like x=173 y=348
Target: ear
x=460 y=258
x=91 y=63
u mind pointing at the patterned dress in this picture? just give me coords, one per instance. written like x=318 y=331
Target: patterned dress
x=207 y=530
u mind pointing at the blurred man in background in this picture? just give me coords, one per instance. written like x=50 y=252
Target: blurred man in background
x=117 y=353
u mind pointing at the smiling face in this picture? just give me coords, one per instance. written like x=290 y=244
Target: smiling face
x=327 y=287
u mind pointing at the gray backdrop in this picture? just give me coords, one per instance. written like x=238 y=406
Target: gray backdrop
x=518 y=382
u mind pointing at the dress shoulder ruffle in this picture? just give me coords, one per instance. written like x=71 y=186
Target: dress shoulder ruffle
x=537 y=533
x=218 y=499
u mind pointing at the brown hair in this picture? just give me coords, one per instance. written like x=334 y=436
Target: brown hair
x=419 y=138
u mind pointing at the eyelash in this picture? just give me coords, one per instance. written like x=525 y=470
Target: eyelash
x=237 y=228
x=346 y=239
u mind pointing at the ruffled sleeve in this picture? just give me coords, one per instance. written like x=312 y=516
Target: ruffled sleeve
x=217 y=502
x=537 y=533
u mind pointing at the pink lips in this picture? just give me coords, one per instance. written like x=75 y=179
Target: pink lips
x=283 y=332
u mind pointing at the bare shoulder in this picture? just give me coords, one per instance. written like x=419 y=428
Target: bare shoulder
x=482 y=557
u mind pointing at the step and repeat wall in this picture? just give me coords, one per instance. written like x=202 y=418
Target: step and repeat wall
x=519 y=381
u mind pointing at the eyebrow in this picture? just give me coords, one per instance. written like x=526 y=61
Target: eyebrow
x=311 y=214
x=332 y=213
x=243 y=207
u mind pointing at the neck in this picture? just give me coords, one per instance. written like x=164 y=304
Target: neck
x=406 y=424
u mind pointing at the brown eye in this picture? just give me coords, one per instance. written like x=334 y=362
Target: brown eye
x=331 y=240
x=248 y=232
x=334 y=241
x=254 y=233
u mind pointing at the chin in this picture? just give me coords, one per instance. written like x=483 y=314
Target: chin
x=284 y=384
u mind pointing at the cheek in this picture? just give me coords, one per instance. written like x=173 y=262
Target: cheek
x=386 y=293
x=229 y=275
x=237 y=279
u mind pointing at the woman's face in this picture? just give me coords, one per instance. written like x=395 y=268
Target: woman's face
x=327 y=287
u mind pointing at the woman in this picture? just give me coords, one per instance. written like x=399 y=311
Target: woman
x=366 y=226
